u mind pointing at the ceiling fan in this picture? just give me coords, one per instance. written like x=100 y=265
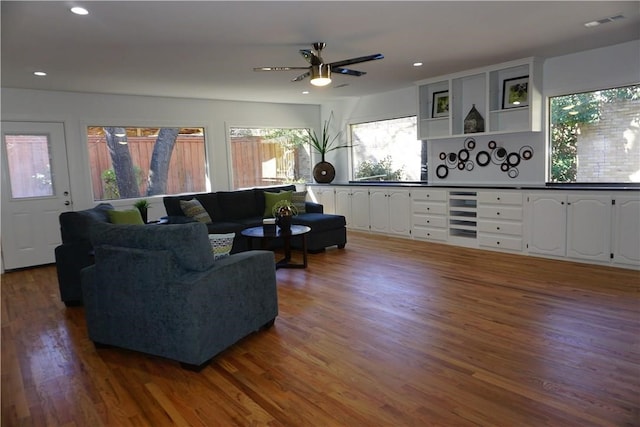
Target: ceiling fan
x=319 y=71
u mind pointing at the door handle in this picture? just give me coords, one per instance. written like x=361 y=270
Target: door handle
x=67 y=203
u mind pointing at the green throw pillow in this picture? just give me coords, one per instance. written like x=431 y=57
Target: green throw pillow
x=298 y=199
x=130 y=216
x=270 y=199
x=194 y=209
x=221 y=244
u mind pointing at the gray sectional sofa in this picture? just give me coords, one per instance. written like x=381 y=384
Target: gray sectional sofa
x=233 y=211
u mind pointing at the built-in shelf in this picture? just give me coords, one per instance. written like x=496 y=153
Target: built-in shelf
x=463 y=214
x=483 y=88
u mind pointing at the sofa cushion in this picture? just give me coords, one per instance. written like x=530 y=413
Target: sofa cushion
x=221 y=244
x=270 y=200
x=238 y=204
x=189 y=243
x=299 y=200
x=129 y=216
x=194 y=209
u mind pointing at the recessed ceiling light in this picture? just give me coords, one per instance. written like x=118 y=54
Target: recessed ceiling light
x=39 y=73
x=79 y=10
x=417 y=64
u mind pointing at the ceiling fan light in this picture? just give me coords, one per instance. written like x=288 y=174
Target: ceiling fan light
x=320 y=75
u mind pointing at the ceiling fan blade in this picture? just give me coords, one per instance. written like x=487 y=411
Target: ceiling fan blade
x=279 y=68
x=347 y=71
x=301 y=76
x=357 y=60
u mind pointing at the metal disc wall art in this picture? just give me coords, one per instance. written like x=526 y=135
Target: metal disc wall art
x=463 y=159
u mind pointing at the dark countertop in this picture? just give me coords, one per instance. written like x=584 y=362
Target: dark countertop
x=563 y=187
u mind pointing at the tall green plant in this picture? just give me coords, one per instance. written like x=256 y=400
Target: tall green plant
x=324 y=143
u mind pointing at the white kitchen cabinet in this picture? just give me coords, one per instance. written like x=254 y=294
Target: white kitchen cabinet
x=626 y=230
x=570 y=225
x=389 y=211
x=429 y=214
x=589 y=227
x=353 y=203
x=547 y=213
x=500 y=220
x=323 y=195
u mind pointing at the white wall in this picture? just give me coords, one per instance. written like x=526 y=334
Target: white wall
x=583 y=71
x=78 y=110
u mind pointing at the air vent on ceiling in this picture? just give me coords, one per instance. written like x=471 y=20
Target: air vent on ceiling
x=604 y=21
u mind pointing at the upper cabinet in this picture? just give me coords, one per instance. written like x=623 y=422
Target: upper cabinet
x=502 y=98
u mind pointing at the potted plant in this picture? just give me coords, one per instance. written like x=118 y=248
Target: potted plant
x=143 y=206
x=324 y=172
x=283 y=210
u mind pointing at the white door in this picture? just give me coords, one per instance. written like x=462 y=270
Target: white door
x=35 y=190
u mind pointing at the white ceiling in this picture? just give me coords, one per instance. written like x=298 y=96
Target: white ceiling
x=207 y=49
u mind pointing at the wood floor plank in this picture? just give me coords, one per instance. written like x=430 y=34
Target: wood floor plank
x=386 y=332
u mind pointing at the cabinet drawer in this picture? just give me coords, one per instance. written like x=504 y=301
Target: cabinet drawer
x=429 y=195
x=498 y=227
x=438 y=221
x=429 y=208
x=500 y=197
x=429 y=233
x=509 y=243
x=500 y=212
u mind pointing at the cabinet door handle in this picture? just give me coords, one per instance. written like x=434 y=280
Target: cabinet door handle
x=497 y=228
x=498 y=213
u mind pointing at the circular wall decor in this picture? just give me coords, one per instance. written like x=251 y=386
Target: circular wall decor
x=468 y=166
x=469 y=143
x=504 y=167
x=443 y=155
x=483 y=158
x=492 y=144
x=526 y=152
x=461 y=165
x=442 y=171
x=512 y=173
x=501 y=153
x=513 y=159
x=463 y=155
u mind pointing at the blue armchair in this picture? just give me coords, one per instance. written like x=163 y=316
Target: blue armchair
x=158 y=290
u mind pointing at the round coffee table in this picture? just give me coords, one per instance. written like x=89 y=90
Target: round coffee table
x=296 y=230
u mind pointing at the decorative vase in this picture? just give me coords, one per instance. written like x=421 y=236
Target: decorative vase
x=284 y=222
x=324 y=172
x=143 y=214
x=473 y=122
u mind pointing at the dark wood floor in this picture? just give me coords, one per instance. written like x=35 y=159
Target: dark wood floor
x=387 y=332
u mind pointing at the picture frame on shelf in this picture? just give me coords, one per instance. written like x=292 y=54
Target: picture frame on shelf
x=515 y=92
x=440 y=104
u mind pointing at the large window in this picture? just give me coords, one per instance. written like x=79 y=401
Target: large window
x=130 y=162
x=388 y=150
x=595 y=136
x=269 y=156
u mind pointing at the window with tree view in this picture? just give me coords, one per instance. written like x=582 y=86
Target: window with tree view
x=269 y=156
x=130 y=162
x=595 y=136
x=388 y=150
